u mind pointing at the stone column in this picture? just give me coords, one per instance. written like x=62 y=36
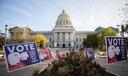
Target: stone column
x=54 y=39
x=71 y=37
x=60 y=37
x=66 y=37
x=55 y=44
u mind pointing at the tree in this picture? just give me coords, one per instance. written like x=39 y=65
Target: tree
x=101 y=37
x=91 y=41
x=40 y=40
x=99 y=29
x=2 y=41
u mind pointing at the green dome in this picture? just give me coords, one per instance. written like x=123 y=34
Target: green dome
x=63 y=18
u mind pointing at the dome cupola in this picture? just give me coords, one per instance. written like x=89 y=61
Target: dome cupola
x=63 y=19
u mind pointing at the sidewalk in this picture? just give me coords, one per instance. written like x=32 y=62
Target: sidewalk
x=101 y=54
x=1 y=57
x=28 y=71
x=119 y=68
x=39 y=66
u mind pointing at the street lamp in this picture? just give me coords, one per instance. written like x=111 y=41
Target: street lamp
x=122 y=30
x=6 y=33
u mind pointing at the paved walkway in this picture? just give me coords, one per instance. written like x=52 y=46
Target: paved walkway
x=118 y=68
x=22 y=72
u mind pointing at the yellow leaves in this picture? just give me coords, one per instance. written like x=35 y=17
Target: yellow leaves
x=105 y=32
x=108 y=32
x=39 y=39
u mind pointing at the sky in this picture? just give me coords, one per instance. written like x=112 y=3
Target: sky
x=41 y=15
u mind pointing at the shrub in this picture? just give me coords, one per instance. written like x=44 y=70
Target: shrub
x=74 y=65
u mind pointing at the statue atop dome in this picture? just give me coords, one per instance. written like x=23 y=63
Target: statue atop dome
x=63 y=11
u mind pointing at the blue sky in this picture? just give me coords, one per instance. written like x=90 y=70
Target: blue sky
x=41 y=15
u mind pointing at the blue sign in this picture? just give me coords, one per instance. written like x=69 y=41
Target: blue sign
x=90 y=52
x=20 y=55
x=116 y=49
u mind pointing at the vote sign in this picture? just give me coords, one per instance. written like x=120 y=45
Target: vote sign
x=20 y=55
x=90 y=52
x=116 y=49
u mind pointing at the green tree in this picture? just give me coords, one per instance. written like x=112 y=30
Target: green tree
x=2 y=41
x=101 y=36
x=91 y=41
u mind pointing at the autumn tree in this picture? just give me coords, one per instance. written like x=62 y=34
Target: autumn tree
x=101 y=36
x=40 y=40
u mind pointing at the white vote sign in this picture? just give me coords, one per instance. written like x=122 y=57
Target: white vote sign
x=20 y=55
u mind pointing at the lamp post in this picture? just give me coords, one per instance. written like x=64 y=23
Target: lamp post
x=122 y=30
x=6 y=33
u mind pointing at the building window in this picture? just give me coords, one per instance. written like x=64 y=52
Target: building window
x=76 y=46
x=68 y=34
x=69 y=45
x=76 y=39
x=58 y=45
x=63 y=45
x=80 y=39
x=50 y=40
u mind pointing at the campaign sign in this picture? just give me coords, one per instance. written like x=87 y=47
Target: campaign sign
x=20 y=55
x=45 y=54
x=116 y=49
x=90 y=52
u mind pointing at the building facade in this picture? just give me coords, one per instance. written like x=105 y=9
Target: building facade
x=19 y=34
x=2 y=35
x=63 y=34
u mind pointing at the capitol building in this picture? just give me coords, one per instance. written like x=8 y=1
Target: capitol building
x=64 y=34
